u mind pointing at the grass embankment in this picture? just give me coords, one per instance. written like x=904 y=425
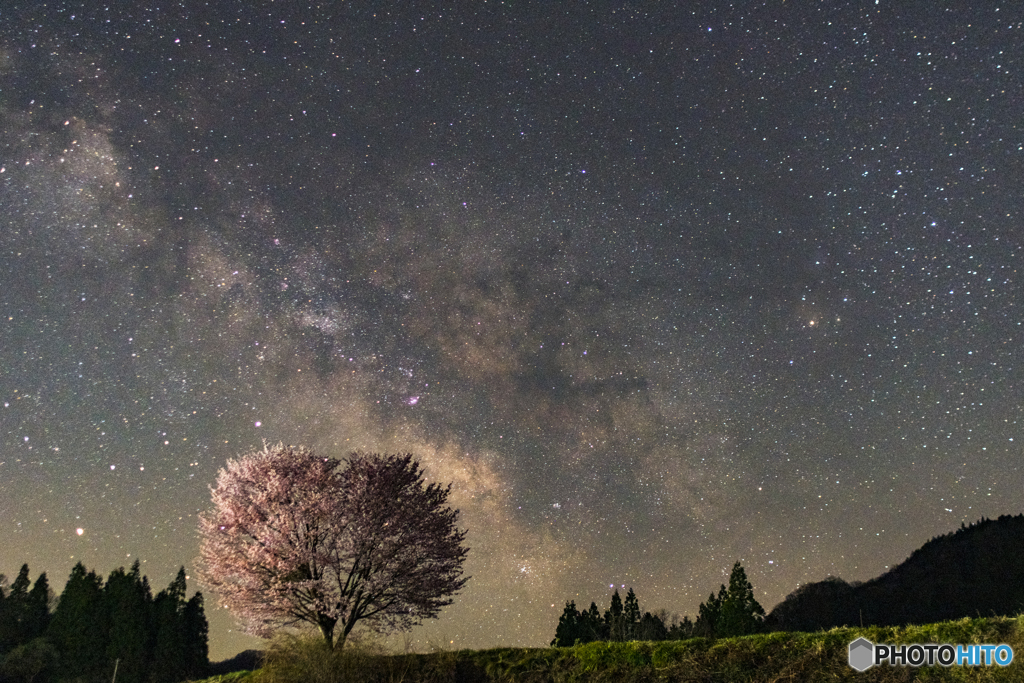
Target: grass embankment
x=765 y=658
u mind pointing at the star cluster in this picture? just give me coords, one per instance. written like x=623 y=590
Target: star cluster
x=656 y=286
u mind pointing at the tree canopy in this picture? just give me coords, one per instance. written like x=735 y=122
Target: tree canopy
x=740 y=614
x=733 y=612
x=294 y=538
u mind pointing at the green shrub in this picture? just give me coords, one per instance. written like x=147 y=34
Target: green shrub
x=306 y=659
x=760 y=658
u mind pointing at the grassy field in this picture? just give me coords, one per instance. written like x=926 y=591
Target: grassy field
x=766 y=658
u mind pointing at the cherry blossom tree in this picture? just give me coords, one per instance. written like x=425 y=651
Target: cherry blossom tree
x=294 y=538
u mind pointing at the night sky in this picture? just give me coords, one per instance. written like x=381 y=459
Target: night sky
x=658 y=286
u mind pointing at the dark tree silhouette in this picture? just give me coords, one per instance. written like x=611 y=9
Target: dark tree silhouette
x=815 y=606
x=128 y=602
x=168 y=656
x=709 y=613
x=613 y=619
x=37 y=610
x=682 y=630
x=621 y=621
x=179 y=634
x=292 y=540
x=630 y=616
x=740 y=614
x=197 y=651
x=651 y=627
x=568 y=631
x=24 y=613
x=13 y=612
x=95 y=625
x=592 y=626
x=80 y=626
x=27 y=661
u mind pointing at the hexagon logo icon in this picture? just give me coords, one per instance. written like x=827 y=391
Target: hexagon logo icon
x=862 y=654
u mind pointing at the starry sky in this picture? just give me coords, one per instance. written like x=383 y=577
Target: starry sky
x=657 y=286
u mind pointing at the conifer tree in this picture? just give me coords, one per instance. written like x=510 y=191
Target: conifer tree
x=709 y=613
x=613 y=619
x=19 y=589
x=197 y=630
x=12 y=617
x=79 y=626
x=592 y=626
x=568 y=630
x=740 y=613
x=631 y=616
x=168 y=659
x=128 y=603
x=24 y=613
x=37 y=610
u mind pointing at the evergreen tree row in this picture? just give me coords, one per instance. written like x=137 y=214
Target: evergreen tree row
x=95 y=627
x=733 y=612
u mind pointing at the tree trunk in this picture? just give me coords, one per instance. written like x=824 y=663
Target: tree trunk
x=327 y=631
x=349 y=624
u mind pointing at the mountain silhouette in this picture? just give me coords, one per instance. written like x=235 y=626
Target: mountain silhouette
x=976 y=571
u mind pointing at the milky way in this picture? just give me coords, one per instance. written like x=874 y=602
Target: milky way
x=656 y=289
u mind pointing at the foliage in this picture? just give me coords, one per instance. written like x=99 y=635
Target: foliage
x=24 y=613
x=622 y=621
x=740 y=613
x=579 y=627
x=734 y=611
x=169 y=649
x=592 y=626
x=707 y=614
x=651 y=627
x=292 y=540
x=233 y=677
x=196 y=629
x=568 y=630
x=817 y=605
x=95 y=625
x=180 y=631
x=26 y=662
x=36 y=616
x=614 y=622
x=79 y=627
x=631 y=616
x=127 y=598
x=682 y=630
x=299 y=659
x=11 y=611
x=759 y=658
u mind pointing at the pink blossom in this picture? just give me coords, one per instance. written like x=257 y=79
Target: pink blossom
x=295 y=538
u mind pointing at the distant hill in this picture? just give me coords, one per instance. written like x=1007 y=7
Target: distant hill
x=249 y=660
x=975 y=571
